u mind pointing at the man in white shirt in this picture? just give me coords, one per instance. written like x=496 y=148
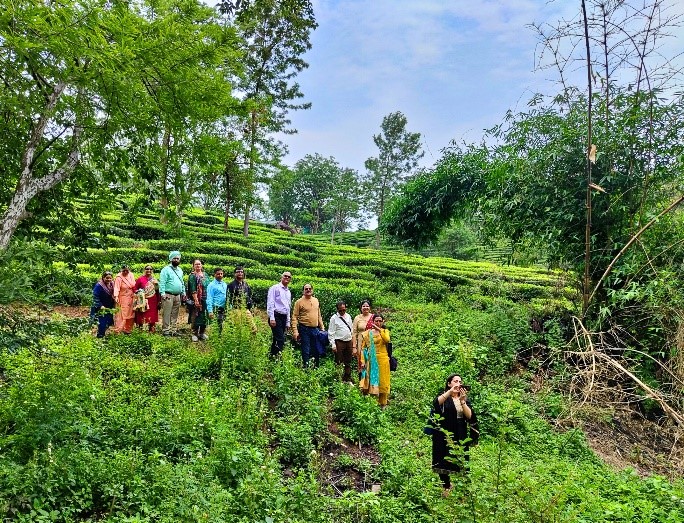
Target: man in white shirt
x=278 y=305
x=340 y=336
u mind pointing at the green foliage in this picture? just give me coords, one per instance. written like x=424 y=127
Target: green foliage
x=21 y=331
x=137 y=343
x=149 y=428
x=317 y=195
x=359 y=415
x=295 y=442
x=398 y=153
x=65 y=126
x=22 y=262
x=433 y=198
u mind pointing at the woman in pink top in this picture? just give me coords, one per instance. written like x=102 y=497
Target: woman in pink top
x=124 y=293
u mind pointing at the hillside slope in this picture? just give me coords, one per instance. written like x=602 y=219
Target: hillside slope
x=146 y=428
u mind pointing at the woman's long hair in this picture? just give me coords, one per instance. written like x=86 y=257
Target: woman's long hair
x=448 y=380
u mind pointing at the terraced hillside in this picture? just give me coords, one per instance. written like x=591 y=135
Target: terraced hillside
x=144 y=428
x=345 y=272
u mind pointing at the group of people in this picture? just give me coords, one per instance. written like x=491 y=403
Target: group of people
x=364 y=338
x=124 y=301
x=135 y=300
x=453 y=423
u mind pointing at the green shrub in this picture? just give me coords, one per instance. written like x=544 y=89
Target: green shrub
x=137 y=343
x=295 y=442
x=359 y=416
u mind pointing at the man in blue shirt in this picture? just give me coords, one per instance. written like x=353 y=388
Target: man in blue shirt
x=216 y=298
x=171 y=288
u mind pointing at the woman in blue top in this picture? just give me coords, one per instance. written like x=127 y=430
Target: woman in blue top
x=103 y=303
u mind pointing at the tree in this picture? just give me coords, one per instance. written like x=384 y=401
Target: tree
x=282 y=198
x=83 y=92
x=346 y=204
x=530 y=186
x=434 y=198
x=317 y=193
x=398 y=155
x=276 y=35
x=46 y=98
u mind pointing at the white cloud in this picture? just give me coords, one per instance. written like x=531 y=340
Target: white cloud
x=453 y=67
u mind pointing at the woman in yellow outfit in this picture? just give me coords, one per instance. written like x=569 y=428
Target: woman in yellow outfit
x=375 y=369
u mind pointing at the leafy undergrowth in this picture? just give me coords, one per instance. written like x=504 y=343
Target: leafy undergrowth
x=146 y=428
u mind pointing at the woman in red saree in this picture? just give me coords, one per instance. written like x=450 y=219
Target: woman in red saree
x=148 y=315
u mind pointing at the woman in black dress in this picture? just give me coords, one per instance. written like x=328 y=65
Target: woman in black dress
x=451 y=437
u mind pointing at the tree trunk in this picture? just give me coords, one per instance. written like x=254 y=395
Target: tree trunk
x=245 y=223
x=587 y=228
x=381 y=209
x=250 y=182
x=228 y=195
x=28 y=186
x=164 y=201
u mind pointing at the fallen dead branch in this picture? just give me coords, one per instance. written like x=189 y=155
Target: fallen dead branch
x=602 y=376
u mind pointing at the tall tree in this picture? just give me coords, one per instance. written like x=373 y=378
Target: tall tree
x=282 y=197
x=346 y=204
x=276 y=35
x=398 y=153
x=317 y=194
x=89 y=85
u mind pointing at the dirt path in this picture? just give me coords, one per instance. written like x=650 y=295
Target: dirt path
x=630 y=441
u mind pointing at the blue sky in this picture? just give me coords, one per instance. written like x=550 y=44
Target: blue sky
x=453 y=67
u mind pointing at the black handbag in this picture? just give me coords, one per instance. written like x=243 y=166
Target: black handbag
x=392 y=360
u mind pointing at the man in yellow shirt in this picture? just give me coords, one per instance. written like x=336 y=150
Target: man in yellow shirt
x=306 y=322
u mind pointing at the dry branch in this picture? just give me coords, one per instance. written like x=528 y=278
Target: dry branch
x=600 y=366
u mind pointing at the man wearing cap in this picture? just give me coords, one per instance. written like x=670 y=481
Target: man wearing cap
x=278 y=306
x=171 y=288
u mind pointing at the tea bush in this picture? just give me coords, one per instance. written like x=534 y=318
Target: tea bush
x=147 y=428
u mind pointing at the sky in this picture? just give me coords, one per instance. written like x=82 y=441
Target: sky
x=453 y=67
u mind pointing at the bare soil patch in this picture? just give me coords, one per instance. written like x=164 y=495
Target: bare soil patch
x=628 y=440
x=346 y=465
